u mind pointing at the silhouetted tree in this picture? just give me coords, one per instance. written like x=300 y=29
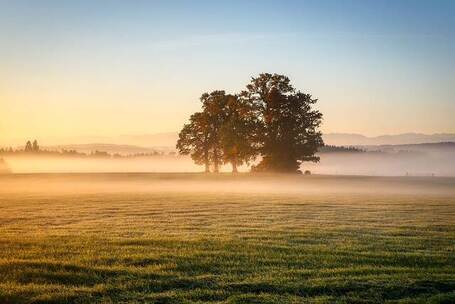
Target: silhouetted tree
x=194 y=139
x=237 y=134
x=28 y=146
x=213 y=106
x=228 y=127
x=270 y=117
x=288 y=126
x=35 y=146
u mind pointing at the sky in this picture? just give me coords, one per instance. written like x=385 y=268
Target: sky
x=108 y=68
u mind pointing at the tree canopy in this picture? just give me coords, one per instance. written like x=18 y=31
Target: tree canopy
x=288 y=125
x=194 y=139
x=270 y=119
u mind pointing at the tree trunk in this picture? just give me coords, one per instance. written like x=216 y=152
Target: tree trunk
x=206 y=161
x=216 y=168
x=234 y=165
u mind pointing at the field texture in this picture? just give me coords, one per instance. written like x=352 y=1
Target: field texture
x=126 y=245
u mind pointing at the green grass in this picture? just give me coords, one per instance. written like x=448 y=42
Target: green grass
x=151 y=247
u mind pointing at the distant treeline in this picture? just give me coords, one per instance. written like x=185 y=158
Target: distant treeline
x=34 y=149
x=330 y=148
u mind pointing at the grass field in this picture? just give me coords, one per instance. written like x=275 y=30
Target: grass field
x=191 y=239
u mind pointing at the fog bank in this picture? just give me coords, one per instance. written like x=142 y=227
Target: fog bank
x=385 y=164
x=402 y=163
x=244 y=183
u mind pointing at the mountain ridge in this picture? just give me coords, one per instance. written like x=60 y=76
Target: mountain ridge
x=353 y=139
x=167 y=140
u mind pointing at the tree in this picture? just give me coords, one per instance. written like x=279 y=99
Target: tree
x=35 y=146
x=237 y=134
x=194 y=139
x=270 y=117
x=213 y=106
x=28 y=146
x=221 y=133
x=288 y=126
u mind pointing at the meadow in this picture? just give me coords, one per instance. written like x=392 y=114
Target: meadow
x=189 y=238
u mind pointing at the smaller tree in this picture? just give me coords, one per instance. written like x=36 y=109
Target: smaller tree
x=237 y=134
x=28 y=146
x=194 y=140
x=213 y=106
x=35 y=146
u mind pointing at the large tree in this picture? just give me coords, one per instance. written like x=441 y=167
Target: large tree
x=288 y=124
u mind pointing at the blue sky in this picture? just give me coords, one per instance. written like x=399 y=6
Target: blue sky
x=135 y=67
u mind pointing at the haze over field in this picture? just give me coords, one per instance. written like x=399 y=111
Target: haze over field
x=190 y=183
x=388 y=160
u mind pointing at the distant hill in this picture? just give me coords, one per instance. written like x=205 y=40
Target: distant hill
x=344 y=139
x=336 y=139
x=167 y=141
x=441 y=147
x=150 y=140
